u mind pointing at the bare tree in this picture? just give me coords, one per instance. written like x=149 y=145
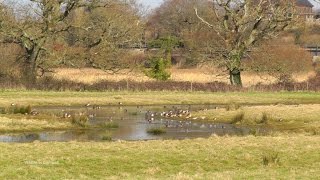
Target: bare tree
x=111 y=35
x=33 y=25
x=39 y=27
x=175 y=29
x=242 y=24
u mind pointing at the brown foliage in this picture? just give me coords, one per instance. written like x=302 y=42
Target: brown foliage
x=279 y=60
x=9 y=66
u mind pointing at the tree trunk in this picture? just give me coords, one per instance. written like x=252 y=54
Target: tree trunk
x=29 y=74
x=235 y=67
x=30 y=68
x=235 y=77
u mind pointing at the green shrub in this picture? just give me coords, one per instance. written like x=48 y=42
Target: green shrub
x=157 y=69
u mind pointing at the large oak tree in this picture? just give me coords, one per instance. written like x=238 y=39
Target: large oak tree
x=242 y=24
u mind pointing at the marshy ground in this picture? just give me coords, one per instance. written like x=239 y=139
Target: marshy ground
x=291 y=152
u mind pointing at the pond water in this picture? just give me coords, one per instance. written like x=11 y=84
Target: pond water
x=134 y=122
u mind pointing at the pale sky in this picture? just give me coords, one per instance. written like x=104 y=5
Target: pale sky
x=151 y=3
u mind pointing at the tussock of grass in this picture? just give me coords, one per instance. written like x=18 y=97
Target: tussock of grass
x=271 y=159
x=110 y=125
x=264 y=118
x=238 y=118
x=133 y=113
x=254 y=132
x=156 y=131
x=80 y=120
x=232 y=107
x=107 y=137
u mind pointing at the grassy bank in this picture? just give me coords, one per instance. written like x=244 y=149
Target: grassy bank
x=42 y=98
x=282 y=117
x=286 y=157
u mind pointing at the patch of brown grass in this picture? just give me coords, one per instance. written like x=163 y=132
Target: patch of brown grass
x=91 y=76
x=196 y=75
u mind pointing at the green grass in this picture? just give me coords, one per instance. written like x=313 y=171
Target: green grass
x=42 y=98
x=278 y=157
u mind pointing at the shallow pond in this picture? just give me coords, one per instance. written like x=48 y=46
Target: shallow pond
x=134 y=122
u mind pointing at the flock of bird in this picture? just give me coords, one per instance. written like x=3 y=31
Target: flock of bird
x=176 y=115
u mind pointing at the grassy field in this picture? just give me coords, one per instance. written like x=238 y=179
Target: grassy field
x=42 y=98
x=279 y=157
